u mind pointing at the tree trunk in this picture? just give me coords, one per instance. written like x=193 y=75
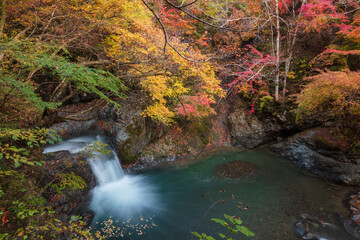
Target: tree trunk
x=3 y=16
x=277 y=78
x=286 y=73
x=291 y=47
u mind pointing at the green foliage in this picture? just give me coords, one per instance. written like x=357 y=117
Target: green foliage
x=23 y=91
x=203 y=236
x=16 y=144
x=97 y=147
x=266 y=103
x=232 y=224
x=22 y=205
x=22 y=211
x=30 y=56
x=69 y=181
x=27 y=205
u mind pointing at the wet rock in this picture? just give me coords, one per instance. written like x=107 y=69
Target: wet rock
x=129 y=130
x=236 y=169
x=67 y=201
x=353 y=224
x=78 y=118
x=309 y=151
x=308 y=227
x=352 y=228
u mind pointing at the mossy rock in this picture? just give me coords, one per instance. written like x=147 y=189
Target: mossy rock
x=136 y=138
x=324 y=143
x=202 y=129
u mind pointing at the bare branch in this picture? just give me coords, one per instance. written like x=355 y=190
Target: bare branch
x=92 y=63
x=188 y=4
x=200 y=20
x=166 y=37
x=160 y=22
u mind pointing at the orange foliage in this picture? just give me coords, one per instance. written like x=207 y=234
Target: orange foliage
x=331 y=95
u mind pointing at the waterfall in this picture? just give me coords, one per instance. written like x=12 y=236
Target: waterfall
x=106 y=167
x=117 y=194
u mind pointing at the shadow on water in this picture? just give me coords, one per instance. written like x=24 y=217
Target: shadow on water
x=170 y=203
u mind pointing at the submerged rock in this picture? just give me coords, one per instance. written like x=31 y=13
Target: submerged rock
x=236 y=169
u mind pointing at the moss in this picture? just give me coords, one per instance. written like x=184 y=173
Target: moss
x=127 y=157
x=134 y=131
x=202 y=129
x=325 y=143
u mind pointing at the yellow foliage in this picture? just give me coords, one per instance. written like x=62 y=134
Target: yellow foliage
x=156 y=87
x=160 y=113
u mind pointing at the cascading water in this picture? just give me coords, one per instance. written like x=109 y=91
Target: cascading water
x=117 y=194
x=184 y=198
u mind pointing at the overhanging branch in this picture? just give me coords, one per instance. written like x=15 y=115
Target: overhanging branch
x=166 y=37
x=180 y=8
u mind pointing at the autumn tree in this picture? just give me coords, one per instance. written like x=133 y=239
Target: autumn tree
x=333 y=96
x=119 y=39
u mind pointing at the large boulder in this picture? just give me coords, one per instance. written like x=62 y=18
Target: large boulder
x=129 y=131
x=79 y=118
x=248 y=131
x=311 y=150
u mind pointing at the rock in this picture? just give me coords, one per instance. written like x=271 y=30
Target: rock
x=248 y=131
x=139 y=139
x=352 y=228
x=308 y=227
x=236 y=169
x=69 y=201
x=128 y=130
x=308 y=151
x=177 y=145
x=354 y=203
